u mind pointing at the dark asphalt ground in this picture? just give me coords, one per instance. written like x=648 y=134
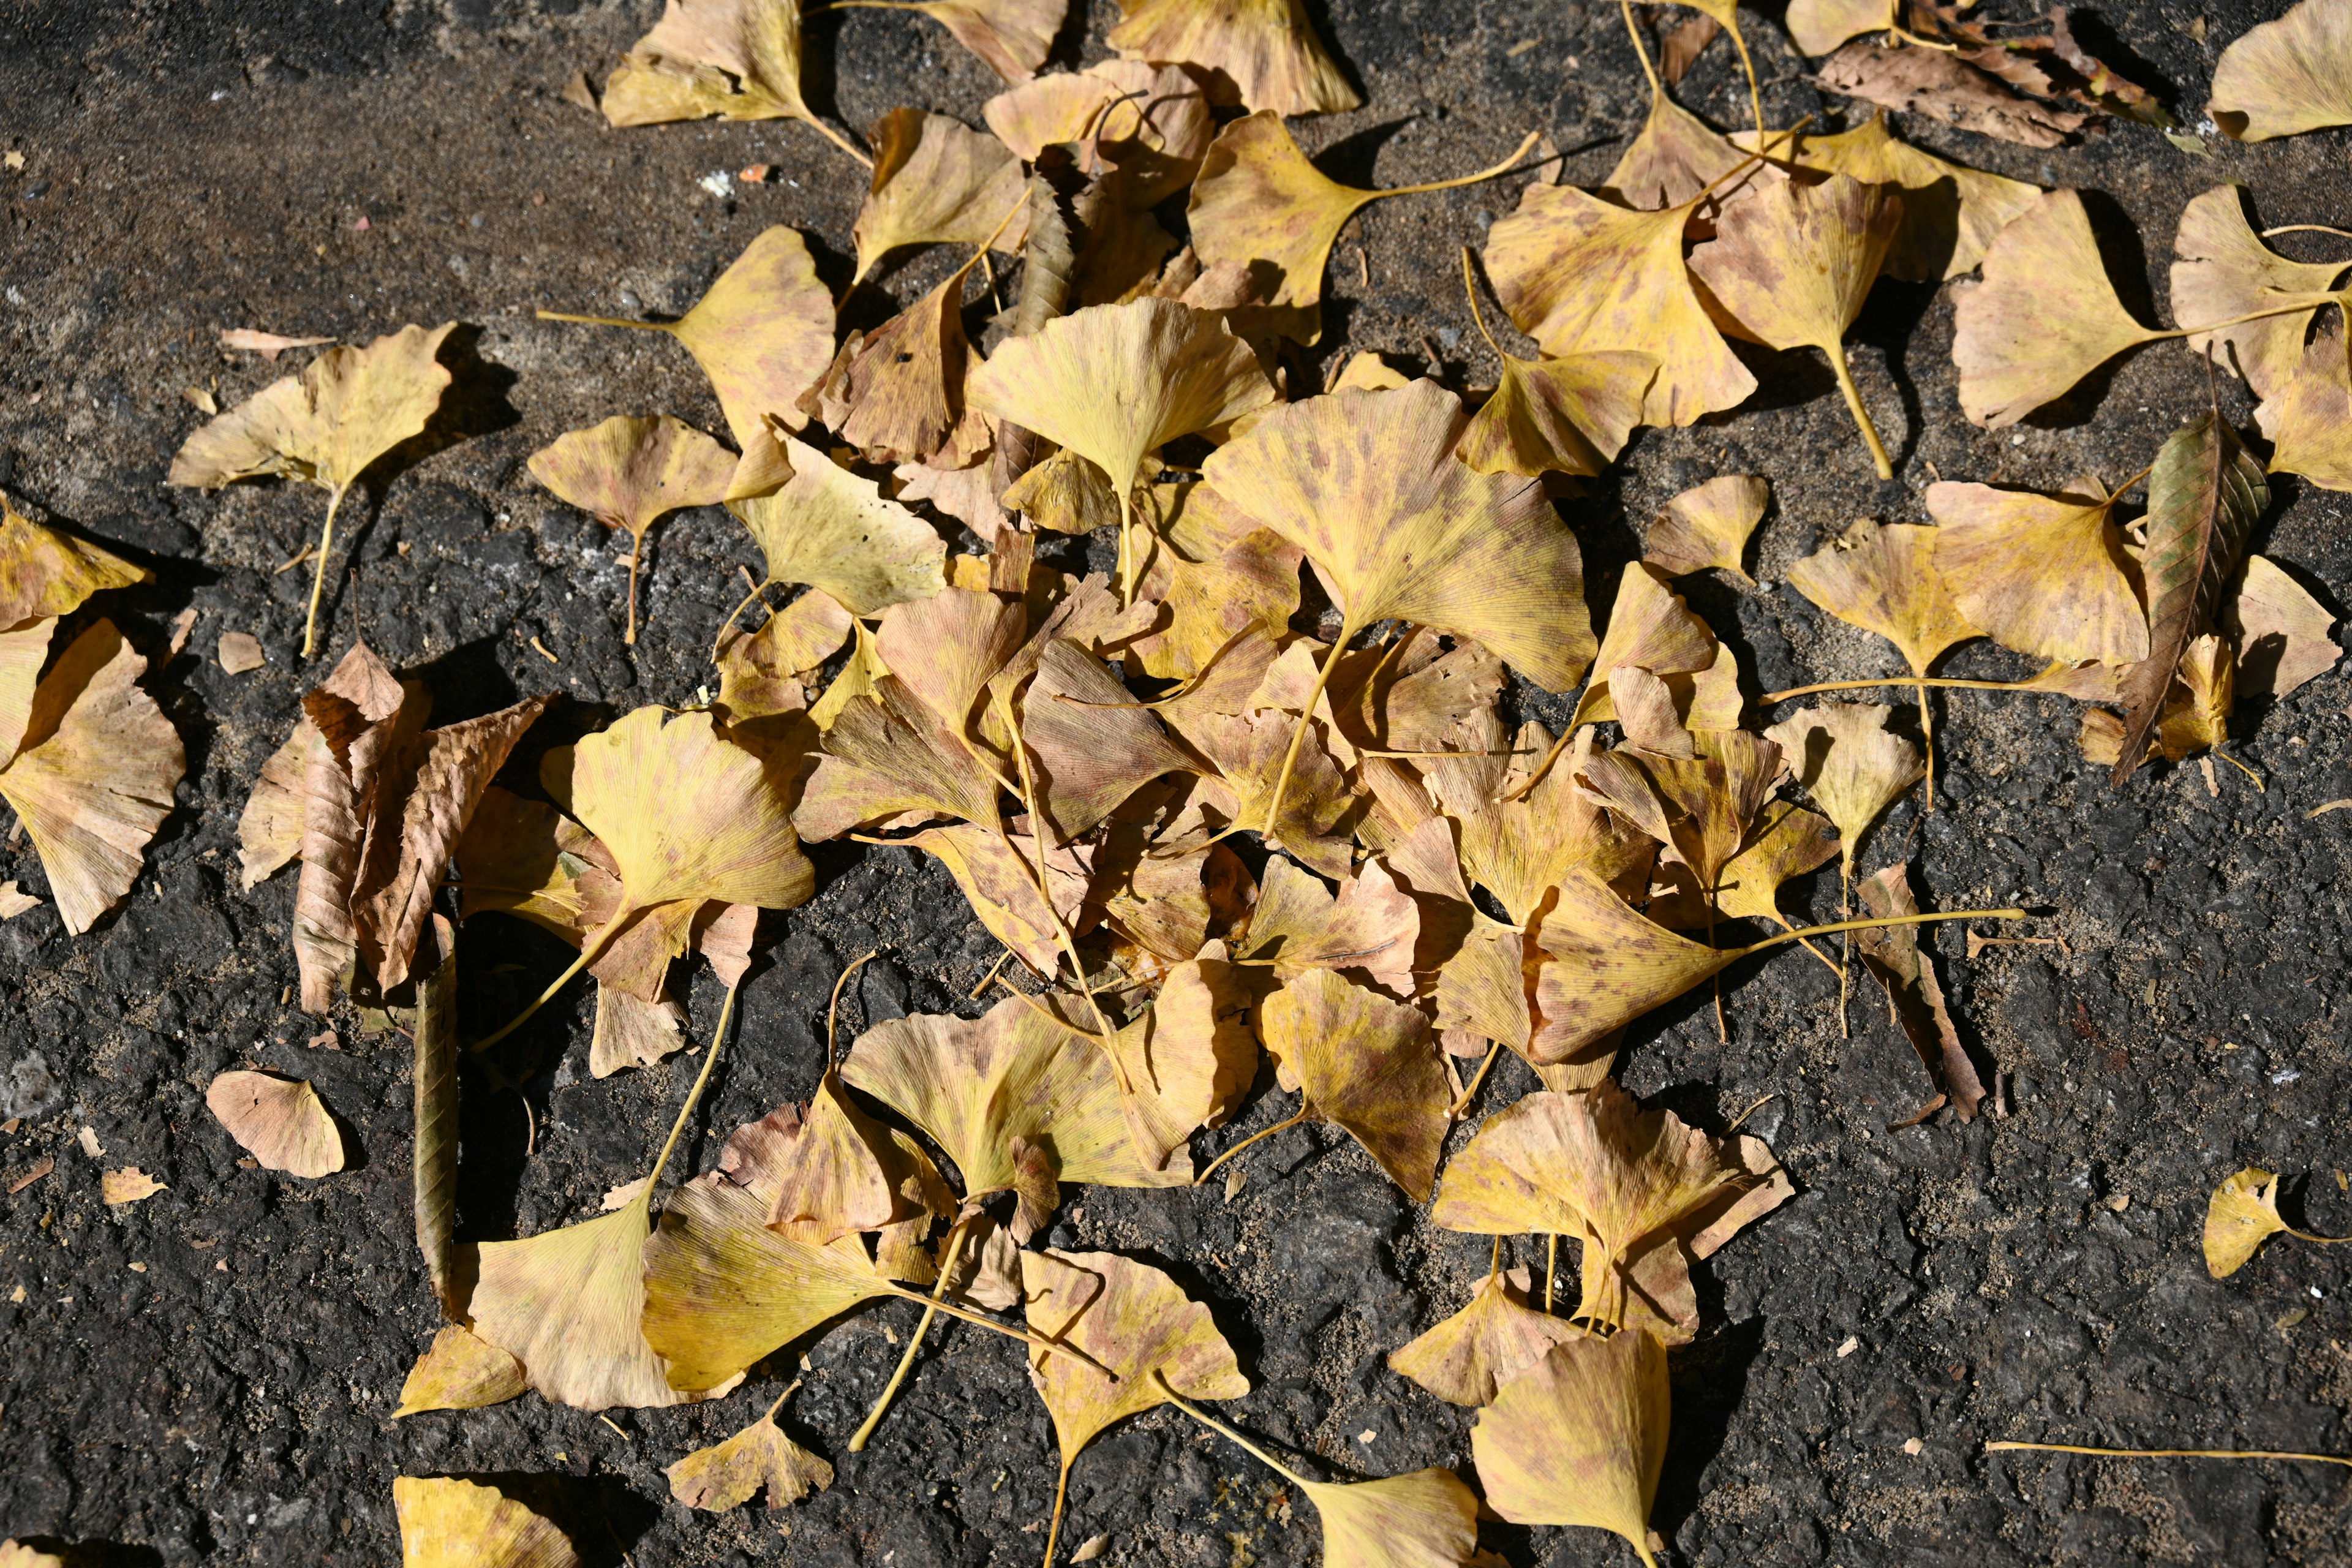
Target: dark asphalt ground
x=191 y=166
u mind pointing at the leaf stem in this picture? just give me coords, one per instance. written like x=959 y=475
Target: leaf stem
x=1298 y=736
x=832 y=1010
x=2169 y=1453
x=1213 y=1424
x=1493 y=172
x=2306 y=229
x=915 y=1342
x=678 y=1128
x=1836 y=352
x=1945 y=683
x=1928 y=738
x=1061 y=1494
x=608 y=321
x=1454 y=1112
x=1641 y=50
x=1283 y=1126
x=637 y=552
x=1477 y=316
x=318 y=576
x=1551 y=1266
x=589 y=951
x=1879 y=923
x=838 y=140
x=1755 y=92
x=725 y=626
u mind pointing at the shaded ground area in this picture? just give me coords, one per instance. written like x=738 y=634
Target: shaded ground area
x=193 y=166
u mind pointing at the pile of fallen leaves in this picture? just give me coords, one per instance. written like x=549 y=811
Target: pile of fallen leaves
x=1204 y=817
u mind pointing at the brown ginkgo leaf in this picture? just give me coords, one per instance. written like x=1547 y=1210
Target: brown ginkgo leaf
x=92 y=765
x=935 y=182
x=1792 y=263
x=1115 y=382
x=739 y=59
x=1580 y=1437
x=446 y=1521
x=1581 y=275
x=1144 y=1340
x=1470 y=1355
x=1260 y=206
x=2044 y=317
x=2241 y=1216
x=1366 y=1063
x=1706 y=527
x=348 y=408
x=763 y=332
x=2046 y=575
x=627 y=473
x=2286 y=77
x=830 y=529
x=727 y=1474
x=1261 y=54
x=281 y=1122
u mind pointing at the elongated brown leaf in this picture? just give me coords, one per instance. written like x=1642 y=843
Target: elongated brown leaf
x=435 y=1156
x=2203 y=496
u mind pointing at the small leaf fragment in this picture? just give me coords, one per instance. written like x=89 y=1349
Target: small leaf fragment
x=279 y=1122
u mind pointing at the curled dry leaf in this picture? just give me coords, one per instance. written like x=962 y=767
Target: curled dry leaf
x=281 y=1122
x=1144 y=1337
x=2284 y=636
x=1367 y=1064
x=1090 y=751
x=627 y=473
x=765 y=673
x=1706 y=528
x=1264 y=55
x=1220 y=576
x=1938 y=84
x=448 y=1522
x=128 y=1186
x=1470 y=1355
x=93 y=767
x=460 y=1370
x=892 y=755
x=832 y=530
x=935 y=182
x=1581 y=275
x=2242 y=1214
x=2046 y=575
x=1150 y=121
x=726 y=1475
x=348 y=408
x=897 y=394
x=2044 y=317
x=631 y=1032
x=1791 y=265
x=763 y=333
x=2225 y=272
x=1580 y=1437
x=2195 y=716
x=1261 y=208
x=2286 y=77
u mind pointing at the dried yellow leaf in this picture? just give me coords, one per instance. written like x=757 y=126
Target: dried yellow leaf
x=128 y=1185
x=2046 y=575
x=46 y=574
x=627 y=473
x=726 y=1475
x=1261 y=54
x=460 y=1370
x=832 y=530
x=1850 y=762
x=1470 y=1355
x=2284 y=636
x=2242 y=1214
x=279 y=1122
x=1368 y=1065
x=935 y=182
x=447 y=1523
x=1150 y=121
x=2286 y=77
x=1706 y=527
x=2226 y=272
x=1580 y=1437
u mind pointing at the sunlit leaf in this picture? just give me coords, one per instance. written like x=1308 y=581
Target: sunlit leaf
x=281 y=1122
x=1817 y=26
x=128 y=1186
x=1674 y=157
x=736 y=58
x=832 y=530
x=1220 y=576
x=2225 y=271
x=1580 y=1437
x=1367 y=1064
x=1706 y=528
x=1260 y=54
x=936 y=180
x=1950 y=212
x=1013 y=37
x=448 y=1522
x=2044 y=317
x=1467 y=1358
x=1089 y=752
x=726 y=1475
x=1850 y=762
x=627 y=473
x=1151 y=120
x=891 y=754
x=2242 y=1214
x=1558 y=415
x=45 y=573
x=460 y=1370
x=1884 y=579
x=1895 y=957
x=761 y=673
x=2309 y=419
x=2046 y=575
x=2286 y=77
x=2284 y=636
x=1609 y=965
x=1651 y=627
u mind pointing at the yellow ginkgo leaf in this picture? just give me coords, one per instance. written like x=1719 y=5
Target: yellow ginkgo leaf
x=1261 y=54
x=1155 y=118
x=1792 y=263
x=1703 y=805
x=1090 y=749
x=348 y=408
x=1609 y=965
x=937 y=181
x=16 y=1554
x=1367 y=1064
x=94 y=765
x=1220 y=576
x=1706 y=528
x=1884 y=579
x=460 y=1370
x=1581 y=275
x=1817 y=26
x=763 y=333
x=1260 y=206
x=1114 y=382
x=2309 y=419
x=727 y=1474
x=889 y=753
x=2046 y=575
x=2044 y=317
x=627 y=473
x=2195 y=715
x=281 y=1122
x=897 y=394
x=449 y=1522
x=1011 y=36
x=832 y=530
x=1373 y=925
x=976 y=1085
x=1470 y=1355
x=128 y=1186
x=1518 y=839
x=1580 y=1437
x=737 y=58
x=2226 y=273
x=1651 y=627
x=2242 y=1214
x=1674 y=157
x=1850 y=762
x=44 y=574
x=2284 y=636
x=1144 y=1341
x=2286 y=77
x=1552 y=415
x=768 y=672
x=1950 y=212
